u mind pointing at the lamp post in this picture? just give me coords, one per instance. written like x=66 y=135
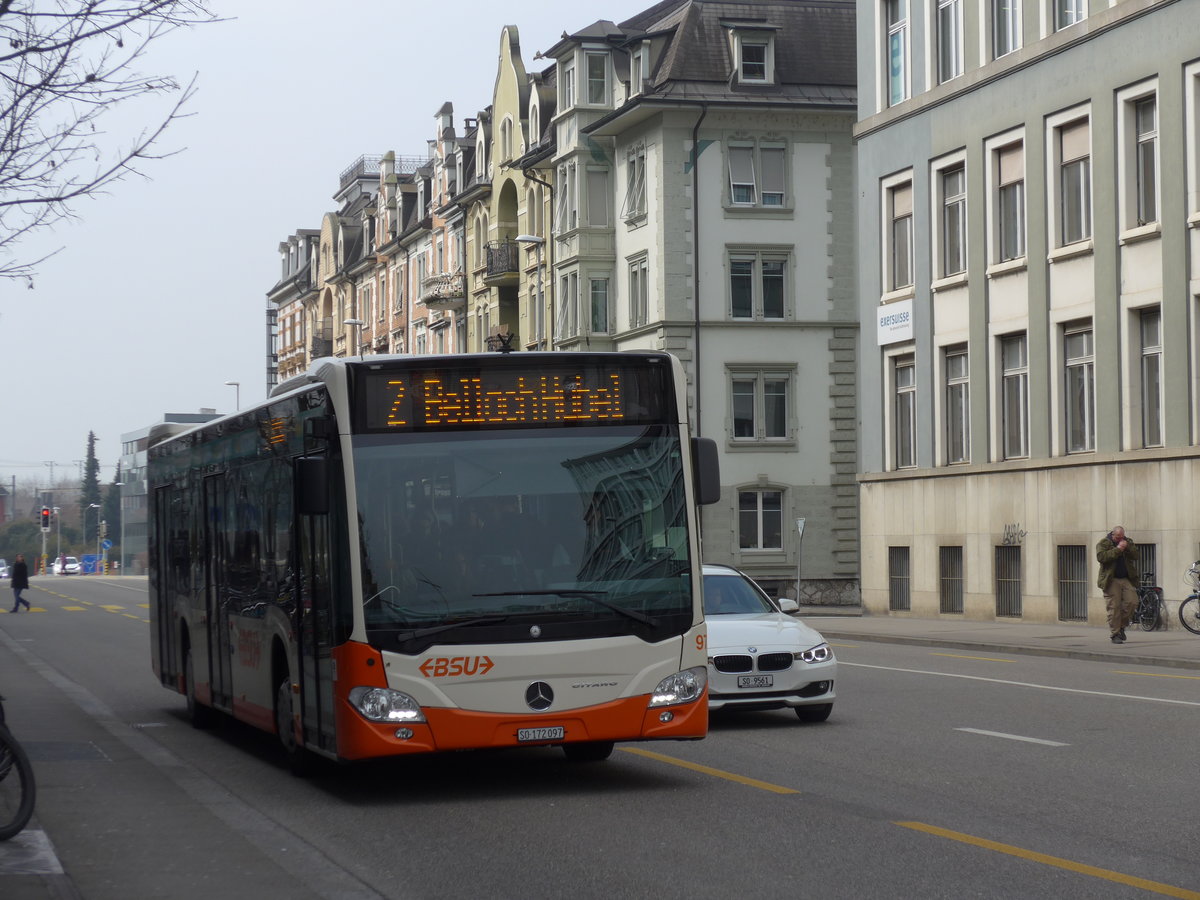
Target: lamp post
x=237 y=396
x=95 y=506
x=537 y=243
x=121 y=513
x=57 y=534
x=356 y=324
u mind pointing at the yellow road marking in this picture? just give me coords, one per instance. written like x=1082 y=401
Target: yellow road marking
x=1156 y=887
x=111 y=608
x=835 y=644
x=1155 y=674
x=76 y=608
x=963 y=656
x=706 y=770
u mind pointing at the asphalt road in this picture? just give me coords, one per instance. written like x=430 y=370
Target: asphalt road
x=942 y=773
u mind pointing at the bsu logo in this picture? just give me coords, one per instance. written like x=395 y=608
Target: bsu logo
x=441 y=667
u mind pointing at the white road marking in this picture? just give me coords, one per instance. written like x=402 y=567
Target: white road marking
x=1013 y=737
x=1042 y=687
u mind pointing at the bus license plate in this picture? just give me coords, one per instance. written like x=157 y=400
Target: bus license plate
x=755 y=681
x=554 y=733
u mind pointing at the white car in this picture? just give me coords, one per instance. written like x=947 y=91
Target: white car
x=65 y=566
x=759 y=657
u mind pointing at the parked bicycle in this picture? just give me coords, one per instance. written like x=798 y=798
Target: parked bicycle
x=1189 y=609
x=1150 y=612
x=17 y=787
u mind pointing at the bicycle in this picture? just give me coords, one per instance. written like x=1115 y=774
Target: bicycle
x=1189 y=609
x=17 y=787
x=1150 y=612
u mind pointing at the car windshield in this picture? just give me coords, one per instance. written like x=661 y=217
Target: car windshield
x=728 y=595
x=584 y=528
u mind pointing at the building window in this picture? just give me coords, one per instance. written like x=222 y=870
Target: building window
x=896 y=62
x=1075 y=183
x=597 y=197
x=1151 y=372
x=1073 y=582
x=506 y=142
x=760 y=520
x=597 y=78
x=958 y=406
x=954 y=221
x=760 y=404
x=638 y=70
x=1146 y=127
x=568 y=306
x=757 y=285
x=949 y=39
x=950 y=579
x=638 y=292
x=598 y=305
x=1008 y=580
x=1006 y=27
x=1014 y=400
x=1079 y=389
x=905 y=380
x=635 y=184
x=899 y=579
x=900 y=237
x=566 y=88
x=757 y=174
x=754 y=55
x=1068 y=12
x=567 y=213
x=1010 y=203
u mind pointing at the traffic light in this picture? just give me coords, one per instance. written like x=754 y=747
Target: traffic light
x=45 y=518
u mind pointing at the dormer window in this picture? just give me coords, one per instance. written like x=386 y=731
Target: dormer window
x=639 y=70
x=566 y=85
x=535 y=124
x=754 y=55
x=597 y=78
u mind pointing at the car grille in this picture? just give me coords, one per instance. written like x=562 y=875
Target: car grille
x=768 y=662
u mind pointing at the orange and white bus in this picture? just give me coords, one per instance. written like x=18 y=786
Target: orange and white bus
x=398 y=555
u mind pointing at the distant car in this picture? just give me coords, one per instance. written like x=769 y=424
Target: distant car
x=759 y=656
x=69 y=567
x=3 y=568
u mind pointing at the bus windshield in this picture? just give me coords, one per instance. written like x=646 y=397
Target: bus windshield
x=499 y=536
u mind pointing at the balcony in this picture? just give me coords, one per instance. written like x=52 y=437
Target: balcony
x=322 y=339
x=447 y=290
x=503 y=263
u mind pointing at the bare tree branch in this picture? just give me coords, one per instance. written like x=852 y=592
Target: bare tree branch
x=64 y=66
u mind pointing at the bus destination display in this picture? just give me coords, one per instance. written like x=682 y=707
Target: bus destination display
x=512 y=397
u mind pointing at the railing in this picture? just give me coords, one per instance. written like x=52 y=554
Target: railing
x=445 y=287
x=322 y=339
x=503 y=258
x=364 y=165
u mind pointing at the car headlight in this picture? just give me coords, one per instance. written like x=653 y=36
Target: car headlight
x=818 y=654
x=385 y=705
x=682 y=687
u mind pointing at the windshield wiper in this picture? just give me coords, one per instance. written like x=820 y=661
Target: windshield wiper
x=593 y=596
x=418 y=633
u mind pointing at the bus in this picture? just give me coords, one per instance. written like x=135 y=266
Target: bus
x=395 y=555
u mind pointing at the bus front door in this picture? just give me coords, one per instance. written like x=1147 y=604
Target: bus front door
x=216 y=583
x=315 y=633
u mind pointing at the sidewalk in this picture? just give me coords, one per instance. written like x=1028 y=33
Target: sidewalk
x=1176 y=647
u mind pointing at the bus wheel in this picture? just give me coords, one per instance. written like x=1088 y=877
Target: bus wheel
x=202 y=716
x=589 y=751
x=298 y=759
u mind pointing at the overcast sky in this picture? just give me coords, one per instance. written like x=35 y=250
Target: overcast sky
x=159 y=295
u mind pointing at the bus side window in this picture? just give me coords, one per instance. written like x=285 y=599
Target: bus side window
x=312 y=485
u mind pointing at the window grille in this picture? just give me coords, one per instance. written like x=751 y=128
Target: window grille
x=1008 y=581
x=950 y=568
x=1072 y=583
x=1148 y=563
x=899 y=588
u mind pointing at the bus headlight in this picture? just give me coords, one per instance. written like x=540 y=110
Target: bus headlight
x=385 y=705
x=682 y=687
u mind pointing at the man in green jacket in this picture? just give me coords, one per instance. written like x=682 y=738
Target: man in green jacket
x=1118 y=558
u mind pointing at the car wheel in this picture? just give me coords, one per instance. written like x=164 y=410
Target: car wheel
x=814 y=713
x=589 y=751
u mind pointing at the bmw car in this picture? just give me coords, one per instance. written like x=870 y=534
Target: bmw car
x=759 y=656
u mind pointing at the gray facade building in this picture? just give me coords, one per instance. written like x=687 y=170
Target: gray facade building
x=1028 y=236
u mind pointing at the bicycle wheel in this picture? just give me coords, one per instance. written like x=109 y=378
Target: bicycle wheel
x=1189 y=613
x=1151 y=612
x=17 y=788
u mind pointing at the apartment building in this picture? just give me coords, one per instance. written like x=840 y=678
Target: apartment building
x=1028 y=242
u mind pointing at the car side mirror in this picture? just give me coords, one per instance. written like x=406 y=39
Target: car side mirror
x=788 y=605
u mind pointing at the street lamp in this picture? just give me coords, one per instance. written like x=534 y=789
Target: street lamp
x=357 y=324
x=537 y=243
x=121 y=513
x=95 y=506
x=57 y=534
x=237 y=396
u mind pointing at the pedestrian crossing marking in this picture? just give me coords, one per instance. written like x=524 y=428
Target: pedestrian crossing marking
x=112 y=608
x=75 y=608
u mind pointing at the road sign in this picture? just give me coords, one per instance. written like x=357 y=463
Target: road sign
x=106 y=544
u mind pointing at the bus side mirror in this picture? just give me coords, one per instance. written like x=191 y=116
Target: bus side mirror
x=312 y=485
x=706 y=471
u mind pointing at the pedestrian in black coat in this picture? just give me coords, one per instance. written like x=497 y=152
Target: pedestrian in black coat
x=20 y=581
